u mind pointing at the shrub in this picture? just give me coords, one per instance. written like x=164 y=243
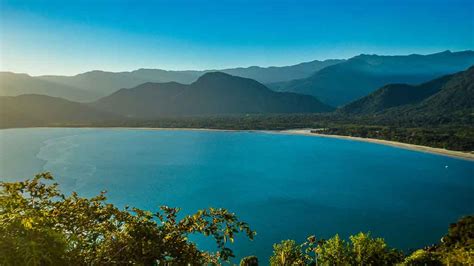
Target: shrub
x=41 y=226
x=287 y=253
x=249 y=261
x=334 y=251
x=372 y=251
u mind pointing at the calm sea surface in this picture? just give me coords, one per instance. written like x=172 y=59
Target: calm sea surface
x=284 y=186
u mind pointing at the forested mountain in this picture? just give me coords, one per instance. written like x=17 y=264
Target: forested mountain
x=103 y=83
x=12 y=84
x=455 y=100
x=447 y=98
x=213 y=93
x=344 y=82
x=394 y=95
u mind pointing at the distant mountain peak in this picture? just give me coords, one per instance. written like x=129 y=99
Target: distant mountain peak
x=217 y=76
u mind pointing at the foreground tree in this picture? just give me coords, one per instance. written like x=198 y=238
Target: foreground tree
x=372 y=251
x=362 y=249
x=41 y=226
x=249 y=261
x=456 y=247
x=287 y=253
x=334 y=251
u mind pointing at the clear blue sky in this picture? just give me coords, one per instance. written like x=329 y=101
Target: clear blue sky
x=72 y=36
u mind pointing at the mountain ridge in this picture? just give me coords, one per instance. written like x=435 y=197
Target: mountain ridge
x=448 y=98
x=356 y=77
x=212 y=93
x=105 y=82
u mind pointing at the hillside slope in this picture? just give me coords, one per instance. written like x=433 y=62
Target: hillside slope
x=104 y=83
x=455 y=100
x=213 y=93
x=39 y=110
x=12 y=84
x=394 y=95
x=342 y=83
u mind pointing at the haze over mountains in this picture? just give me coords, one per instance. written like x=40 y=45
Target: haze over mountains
x=12 y=84
x=354 y=81
x=31 y=110
x=95 y=84
x=213 y=93
x=448 y=97
x=394 y=95
x=342 y=83
x=334 y=82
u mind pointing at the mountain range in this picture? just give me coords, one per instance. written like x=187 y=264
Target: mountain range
x=48 y=100
x=394 y=95
x=334 y=82
x=448 y=97
x=354 y=78
x=31 y=110
x=92 y=85
x=13 y=84
x=214 y=93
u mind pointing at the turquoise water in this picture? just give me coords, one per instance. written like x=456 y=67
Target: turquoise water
x=285 y=186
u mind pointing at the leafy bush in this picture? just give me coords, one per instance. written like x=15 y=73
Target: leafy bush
x=249 y=261
x=41 y=226
x=372 y=251
x=421 y=257
x=456 y=248
x=362 y=249
x=287 y=252
x=334 y=251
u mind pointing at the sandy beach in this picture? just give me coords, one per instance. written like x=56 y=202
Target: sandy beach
x=450 y=153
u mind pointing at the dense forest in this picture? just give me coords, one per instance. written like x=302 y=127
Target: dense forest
x=39 y=225
x=453 y=134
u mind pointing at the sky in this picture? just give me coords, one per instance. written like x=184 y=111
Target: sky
x=74 y=36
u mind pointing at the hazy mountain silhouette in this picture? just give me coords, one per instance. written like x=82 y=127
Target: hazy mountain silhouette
x=450 y=97
x=394 y=95
x=12 y=84
x=103 y=83
x=344 y=82
x=212 y=93
x=281 y=74
x=455 y=98
x=39 y=110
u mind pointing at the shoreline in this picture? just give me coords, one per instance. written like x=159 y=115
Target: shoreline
x=307 y=132
x=396 y=144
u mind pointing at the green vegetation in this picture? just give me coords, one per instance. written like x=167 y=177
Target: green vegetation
x=41 y=226
x=452 y=135
x=451 y=138
x=456 y=248
x=361 y=250
x=445 y=133
x=249 y=261
x=287 y=253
